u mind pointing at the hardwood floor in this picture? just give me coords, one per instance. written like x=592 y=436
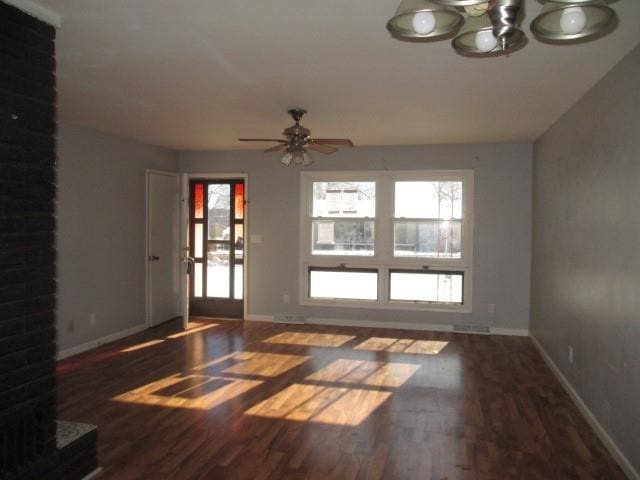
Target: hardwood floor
x=247 y=400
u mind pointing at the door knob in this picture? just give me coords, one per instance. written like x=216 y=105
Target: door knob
x=153 y=258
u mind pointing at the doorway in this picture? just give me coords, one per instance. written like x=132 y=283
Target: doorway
x=216 y=244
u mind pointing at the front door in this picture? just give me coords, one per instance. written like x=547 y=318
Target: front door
x=216 y=243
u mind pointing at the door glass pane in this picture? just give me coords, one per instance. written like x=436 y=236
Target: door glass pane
x=237 y=282
x=350 y=285
x=199 y=200
x=197 y=280
x=197 y=242
x=239 y=241
x=426 y=287
x=429 y=238
x=343 y=237
x=433 y=200
x=239 y=201
x=344 y=199
x=218 y=270
x=219 y=206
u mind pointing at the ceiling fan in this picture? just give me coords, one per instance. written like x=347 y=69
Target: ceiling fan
x=298 y=140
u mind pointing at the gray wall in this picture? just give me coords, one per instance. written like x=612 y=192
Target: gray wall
x=586 y=235
x=101 y=232
x=502 y=229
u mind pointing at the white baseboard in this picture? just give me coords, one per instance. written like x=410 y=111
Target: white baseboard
x=68 y=352
x=258 y=318
x=608 y=442
x=432 y=327
x=510 y=332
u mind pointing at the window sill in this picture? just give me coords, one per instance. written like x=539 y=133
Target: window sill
x=390 y=305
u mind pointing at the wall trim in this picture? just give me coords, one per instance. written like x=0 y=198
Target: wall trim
x=433 y=327
x=68 y=352
x=258 y=318
x=38 y=11
x=591 y=419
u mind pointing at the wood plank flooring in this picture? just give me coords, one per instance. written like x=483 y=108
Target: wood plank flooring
x=248 y=400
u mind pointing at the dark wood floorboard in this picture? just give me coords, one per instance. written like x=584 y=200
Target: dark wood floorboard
x=248 y=400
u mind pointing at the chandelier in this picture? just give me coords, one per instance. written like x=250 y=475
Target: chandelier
x=482 y=28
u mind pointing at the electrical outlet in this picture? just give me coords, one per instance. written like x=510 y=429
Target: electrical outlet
x=570 y=354
x=491 y=308
x=92 y=319
x=286 y=299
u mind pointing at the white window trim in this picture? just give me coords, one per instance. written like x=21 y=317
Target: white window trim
x=383 y=258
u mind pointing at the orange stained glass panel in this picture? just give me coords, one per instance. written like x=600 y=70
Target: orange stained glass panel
x=199 y=200
x=239 y=199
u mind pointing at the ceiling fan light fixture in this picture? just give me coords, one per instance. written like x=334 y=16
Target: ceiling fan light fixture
x=286 y=159
x=423 y=19
x=564 y=21
x=461 y=3
x=477 y=39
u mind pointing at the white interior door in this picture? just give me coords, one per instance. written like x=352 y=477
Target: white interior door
x=187 y=262
x=163 y=247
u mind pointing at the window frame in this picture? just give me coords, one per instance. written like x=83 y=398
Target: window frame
x=341 y=269
x=383 y=258
x=424 y=271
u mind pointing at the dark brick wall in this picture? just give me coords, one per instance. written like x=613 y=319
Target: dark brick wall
x=27 y=256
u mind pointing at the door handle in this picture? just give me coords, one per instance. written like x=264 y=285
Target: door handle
x=153 y=258
x=190 y=261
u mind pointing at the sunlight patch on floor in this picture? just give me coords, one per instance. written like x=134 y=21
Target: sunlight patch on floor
x=140 y=346
x=252 y=363
x=317 y=404
x=264 y=364
x=200 y=392
x=193 y=330
x=379 y=374
x=402 y=345
x=310 y=339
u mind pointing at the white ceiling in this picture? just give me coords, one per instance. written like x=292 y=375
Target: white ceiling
x=198 y=74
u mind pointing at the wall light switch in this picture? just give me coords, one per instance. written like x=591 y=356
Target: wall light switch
x=491 y=308
x=256 y=238
x=286 y=299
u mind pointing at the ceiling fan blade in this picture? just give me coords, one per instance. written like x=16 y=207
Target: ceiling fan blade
x=343 y=142
x=279 y=140
x=326 y=149
x=276 y=148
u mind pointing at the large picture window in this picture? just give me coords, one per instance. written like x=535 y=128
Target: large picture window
x=401 y=240
x=343 y=218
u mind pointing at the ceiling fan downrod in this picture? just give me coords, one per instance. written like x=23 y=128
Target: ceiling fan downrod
x=504 y=17
x=297 y=114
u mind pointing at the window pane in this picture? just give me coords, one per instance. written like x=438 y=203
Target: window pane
x=218 y=270
x=197 y=242
x=431 y=238
x=197 y=280
x=198 y=200
x=343 y=237
x=344 y=199
x=349 y=285
x=426 y=287
x=237 y=282
x=219 y=206
x=435 y=200
x=239 y=201
x=239 y=241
